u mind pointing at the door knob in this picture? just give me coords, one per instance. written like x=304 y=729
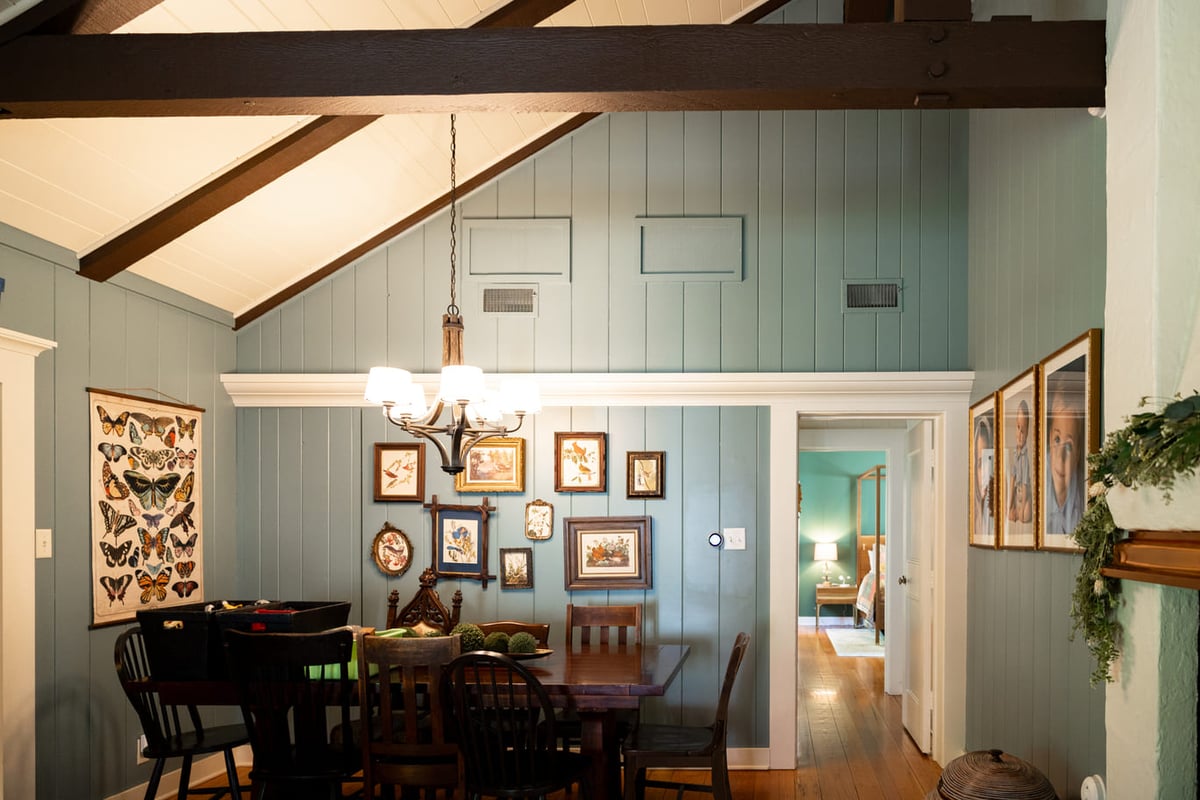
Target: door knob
x=903 y=579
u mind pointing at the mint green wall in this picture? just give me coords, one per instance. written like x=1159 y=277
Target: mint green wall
x=828 y=513
x=128 y=335
x=1037 y=275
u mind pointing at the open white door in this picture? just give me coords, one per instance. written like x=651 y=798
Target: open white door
x=916 y=587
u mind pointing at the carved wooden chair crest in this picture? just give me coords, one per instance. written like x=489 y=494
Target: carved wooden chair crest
x=425 y=612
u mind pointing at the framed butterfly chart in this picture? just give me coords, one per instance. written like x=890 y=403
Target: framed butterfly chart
x=147 y=533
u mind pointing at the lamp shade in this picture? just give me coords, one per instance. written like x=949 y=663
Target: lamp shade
x=387 y=385
x=825 y=551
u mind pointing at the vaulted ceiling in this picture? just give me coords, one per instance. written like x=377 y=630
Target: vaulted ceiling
x=242 y=166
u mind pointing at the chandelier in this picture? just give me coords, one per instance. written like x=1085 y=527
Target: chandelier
x=473 y=412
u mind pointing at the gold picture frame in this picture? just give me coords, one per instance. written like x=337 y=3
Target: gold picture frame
x=495 y=465
x=392 y=551
x=1017 y=462
x=1068 y=432
x=981 y=520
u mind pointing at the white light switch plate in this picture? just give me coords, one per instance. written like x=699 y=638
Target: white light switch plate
x=735 y=538
x=42 y=547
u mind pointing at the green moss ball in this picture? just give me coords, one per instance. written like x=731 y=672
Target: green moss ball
x=497 y=642
x=522 y=642
x=472 y=637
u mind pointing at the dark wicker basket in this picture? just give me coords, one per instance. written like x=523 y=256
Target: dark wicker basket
x=992 y=775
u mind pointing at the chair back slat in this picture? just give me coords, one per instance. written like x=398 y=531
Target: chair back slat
x=602 y=619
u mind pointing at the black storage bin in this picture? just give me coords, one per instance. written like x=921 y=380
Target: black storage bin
x=292 y=616
x=184 y=642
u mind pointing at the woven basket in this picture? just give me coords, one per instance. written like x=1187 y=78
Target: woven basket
x=991 y=775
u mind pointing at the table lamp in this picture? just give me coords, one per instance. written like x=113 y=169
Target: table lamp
x=825 y=551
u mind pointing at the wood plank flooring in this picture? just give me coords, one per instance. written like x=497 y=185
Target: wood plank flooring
x=850 y=742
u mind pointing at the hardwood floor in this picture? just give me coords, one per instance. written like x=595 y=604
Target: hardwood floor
x=851 y=744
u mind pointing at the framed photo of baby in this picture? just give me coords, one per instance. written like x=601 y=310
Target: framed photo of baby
x=982 y=521
x=1069 y=405
x=1017 y=472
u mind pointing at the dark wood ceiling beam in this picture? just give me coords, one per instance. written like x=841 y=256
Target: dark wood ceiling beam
x=247 y=177
x=633 y=68
x=233 y=185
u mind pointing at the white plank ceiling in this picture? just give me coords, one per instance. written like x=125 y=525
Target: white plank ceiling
x=79 y=182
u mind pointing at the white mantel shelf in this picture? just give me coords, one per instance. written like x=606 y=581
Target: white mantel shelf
x=625 y=389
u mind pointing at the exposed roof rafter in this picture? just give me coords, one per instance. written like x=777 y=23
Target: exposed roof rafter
x=624 y=68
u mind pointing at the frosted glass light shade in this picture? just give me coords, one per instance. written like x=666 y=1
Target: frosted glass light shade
x=825 y=551
x=387 y=385
x=413 y=401
x=461 y=384
x=517 y=395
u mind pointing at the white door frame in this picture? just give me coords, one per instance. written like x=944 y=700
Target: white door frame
x=938 y=396
x=18 y=757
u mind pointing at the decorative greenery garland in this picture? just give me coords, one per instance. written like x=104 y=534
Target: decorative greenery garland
x=1153 y=449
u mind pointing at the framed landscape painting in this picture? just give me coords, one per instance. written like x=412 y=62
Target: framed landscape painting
x=497 y=464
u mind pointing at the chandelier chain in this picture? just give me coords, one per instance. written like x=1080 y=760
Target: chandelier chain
x=453 y=307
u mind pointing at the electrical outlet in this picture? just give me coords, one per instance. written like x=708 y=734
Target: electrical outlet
x=140 y=745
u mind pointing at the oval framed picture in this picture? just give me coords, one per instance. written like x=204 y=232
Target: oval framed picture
x=391 y=550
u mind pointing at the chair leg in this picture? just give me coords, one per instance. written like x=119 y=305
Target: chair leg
x=185 y=777
x=155 y=777
x=235 y=788
x=720 y=781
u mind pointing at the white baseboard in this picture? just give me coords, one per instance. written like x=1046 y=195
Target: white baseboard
x=202 y=769
x=749 y=757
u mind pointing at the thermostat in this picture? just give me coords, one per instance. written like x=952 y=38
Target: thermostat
x=715 y=539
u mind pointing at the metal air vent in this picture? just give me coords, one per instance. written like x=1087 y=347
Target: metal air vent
x=871 y=296
x=509 y=300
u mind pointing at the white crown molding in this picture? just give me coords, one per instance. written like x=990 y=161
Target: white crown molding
x=23 y=343
x=861 y=390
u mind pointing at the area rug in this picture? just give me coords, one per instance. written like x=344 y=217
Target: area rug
x=857 y=642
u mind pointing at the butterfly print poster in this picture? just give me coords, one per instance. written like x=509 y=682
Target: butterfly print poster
x=147 y=534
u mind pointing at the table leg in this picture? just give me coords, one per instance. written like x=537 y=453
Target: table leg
x=598 y=738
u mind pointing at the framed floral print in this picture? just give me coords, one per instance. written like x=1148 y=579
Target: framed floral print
x=460 y=540
x=1069 y=431
x=579 y=462
x=400 y=472
x=516 y=567
x=644 y=474
x=1017 y=464
x=607 y=552
x=391 y=550
x=497 y=464
x=539 y=520
x=982 y=521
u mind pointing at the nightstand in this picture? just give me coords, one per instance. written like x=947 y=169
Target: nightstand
x=834 y=595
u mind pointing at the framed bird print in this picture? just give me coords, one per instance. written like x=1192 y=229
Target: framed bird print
x=147 y=540
x=391 y=550
x=460 y=540
x=579 y=462
x=400 y=472
x=644 y=474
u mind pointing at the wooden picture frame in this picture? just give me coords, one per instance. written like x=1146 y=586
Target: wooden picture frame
x=981 y=522
x=460 y=540
x=644 y=474
x=607 y=552
x=400 y=472
x=1017 y=464
x=539 y=520
x=391 y=550
x=580 y=462
x=1068 y=432
x=516 y=567
x=496 y=464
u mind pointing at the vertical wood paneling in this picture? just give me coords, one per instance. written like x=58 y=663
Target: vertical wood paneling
x=910 y=240
x=935 y=221
x=800 y=239
x=553 y=199
x=664 y=197
x=861 y=215
x=627 y=201
x=589 y=247
x=830 y=238
x=770 y=241
x=738 y=494
x=739 y=197
x=1030 y=252
x=888 y=242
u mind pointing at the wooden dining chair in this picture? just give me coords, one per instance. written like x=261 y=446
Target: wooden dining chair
x=400 y=693
x=681 y=746
x=602 y=619
x=288 y=683
x=538 y=630
x=166 y=737
x=504 y=724
x=426 y=612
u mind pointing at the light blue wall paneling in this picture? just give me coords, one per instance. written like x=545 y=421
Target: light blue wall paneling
x=1036 y=253
x=109 y=336
x=821 y=197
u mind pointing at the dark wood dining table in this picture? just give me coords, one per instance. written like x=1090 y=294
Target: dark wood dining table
x=595 y=680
